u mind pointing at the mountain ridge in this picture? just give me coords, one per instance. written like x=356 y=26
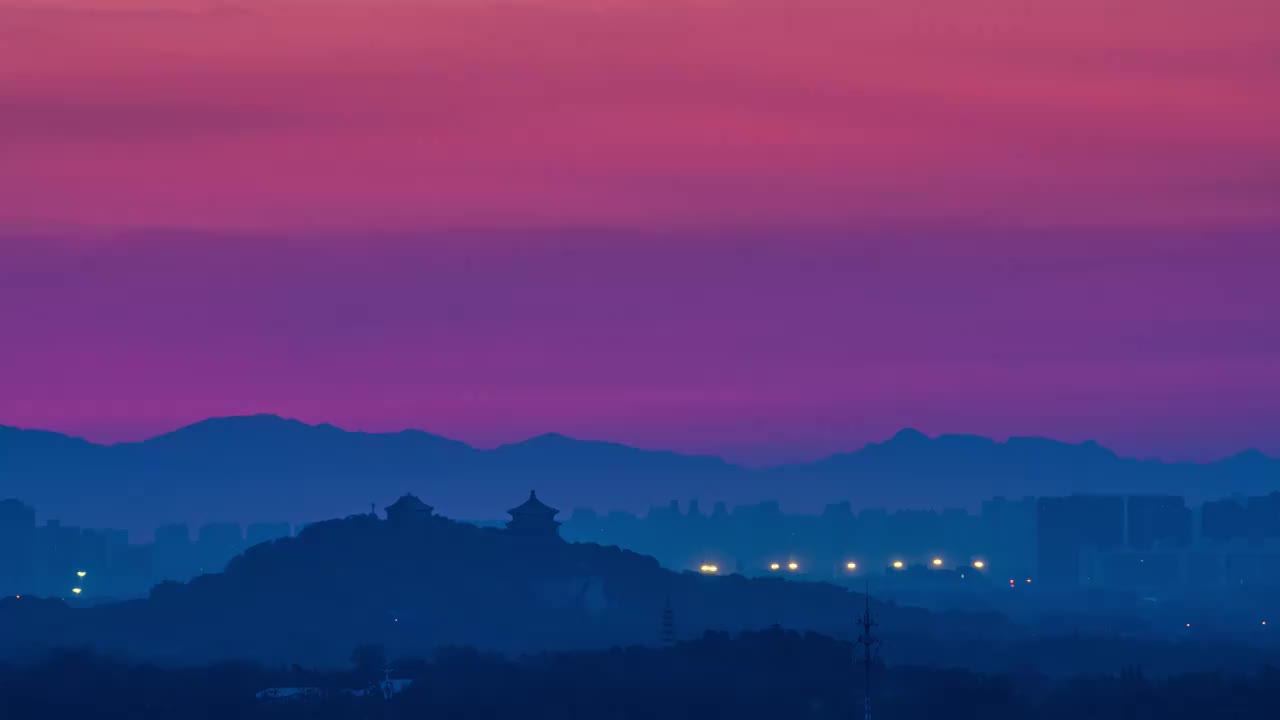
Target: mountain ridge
x=907 y=433
x=266 y=467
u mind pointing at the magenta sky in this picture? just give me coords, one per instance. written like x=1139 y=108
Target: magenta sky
x=767 y=228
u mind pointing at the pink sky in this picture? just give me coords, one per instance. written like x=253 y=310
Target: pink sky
x=768 y=228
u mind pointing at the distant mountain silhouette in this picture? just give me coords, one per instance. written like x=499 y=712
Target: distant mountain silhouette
x=265 y=468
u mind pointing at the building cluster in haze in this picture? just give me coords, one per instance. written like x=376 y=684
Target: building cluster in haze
x=49 y=558
x=1131 y=542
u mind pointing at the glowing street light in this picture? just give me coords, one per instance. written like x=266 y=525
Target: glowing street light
x=77 y=591
x=937 y=562
x=978 y=564
x=774 y=567
x=709 y=569
x=897 y=565
x=793 y=566
x=81 y=573
x=851 y=565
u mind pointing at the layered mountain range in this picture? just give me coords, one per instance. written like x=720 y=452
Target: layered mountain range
x=265 y=467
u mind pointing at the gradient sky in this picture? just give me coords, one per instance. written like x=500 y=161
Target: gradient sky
x=764 y=228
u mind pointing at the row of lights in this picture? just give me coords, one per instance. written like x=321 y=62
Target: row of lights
x=1264 y=623
x=793 y=566
x=936 y=562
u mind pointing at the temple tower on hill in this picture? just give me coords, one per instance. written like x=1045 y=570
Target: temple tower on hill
x=408 y=510
x=534 y=519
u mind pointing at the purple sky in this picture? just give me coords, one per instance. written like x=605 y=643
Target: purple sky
x=763 y=347
x=765 y=229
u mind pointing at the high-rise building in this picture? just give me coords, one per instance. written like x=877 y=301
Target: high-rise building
x=1224 y=520
x=1158 y=522
x=173 y=554
x=17 y=545
x=1067 y=527
x=1264 y=517
x=1006 y=535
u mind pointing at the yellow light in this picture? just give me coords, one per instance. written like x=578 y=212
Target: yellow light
x=793 y=566
x=978 y=564
x=80 y=573
x=710 y=569
x=851 y=566
x=937 y=562
x=75 y=590
x=897 y=564
x=774 y=566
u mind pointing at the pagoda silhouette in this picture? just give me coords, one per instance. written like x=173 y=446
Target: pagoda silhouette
x=534 y=519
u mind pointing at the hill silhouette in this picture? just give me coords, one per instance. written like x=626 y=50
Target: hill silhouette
x=421 y=583
x=263 y=468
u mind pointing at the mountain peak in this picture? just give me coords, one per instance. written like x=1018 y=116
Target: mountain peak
x=909 y=435
x=236 y=426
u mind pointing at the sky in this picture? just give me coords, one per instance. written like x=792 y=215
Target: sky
x=768 y=229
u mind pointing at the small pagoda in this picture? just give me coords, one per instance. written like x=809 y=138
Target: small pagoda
x=408 y=510
x=534 y=519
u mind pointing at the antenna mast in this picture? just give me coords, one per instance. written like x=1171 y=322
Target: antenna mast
x=667 y=632
x=869 y=642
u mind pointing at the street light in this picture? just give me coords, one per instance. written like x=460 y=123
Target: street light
x=774 y=567
x=978 y=564
x=937 y=562
x=710 y=569
x=897 y=564
x=81 y=573
x=793 y=566
x=77 y=591
x=851 y=565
